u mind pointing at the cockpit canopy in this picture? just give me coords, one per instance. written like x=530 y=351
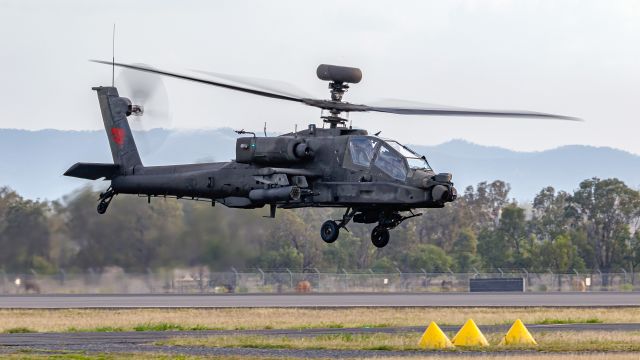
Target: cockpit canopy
x=390 y=156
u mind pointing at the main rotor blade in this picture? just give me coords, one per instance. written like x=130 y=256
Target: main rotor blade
x=202 y=81
x=428 y=110
x=348 y=107
x=467 y=112
x=270 y=85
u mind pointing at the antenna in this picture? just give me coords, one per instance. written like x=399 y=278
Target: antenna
x=113 y=56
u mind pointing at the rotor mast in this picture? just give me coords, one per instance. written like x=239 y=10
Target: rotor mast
x=339 y=78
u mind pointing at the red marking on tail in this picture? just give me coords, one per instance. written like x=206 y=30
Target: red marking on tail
x=118 y=135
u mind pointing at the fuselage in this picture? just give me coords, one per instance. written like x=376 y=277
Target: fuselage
x=338 y=167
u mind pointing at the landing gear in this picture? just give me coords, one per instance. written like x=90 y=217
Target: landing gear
x=380 y=236
x=329 y=231
x=386 y=222
x=105 y=199
x=386 y=219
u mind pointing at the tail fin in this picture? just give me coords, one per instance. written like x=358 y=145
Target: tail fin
x=114 y=114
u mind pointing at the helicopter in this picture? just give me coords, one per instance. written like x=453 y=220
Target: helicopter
x=377 y=181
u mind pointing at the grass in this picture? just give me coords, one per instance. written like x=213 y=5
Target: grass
x=42 y=320
x=19 y=330
x=169 y=327
x=569 y=321
x=588 y=341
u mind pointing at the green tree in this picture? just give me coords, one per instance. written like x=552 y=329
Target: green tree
x=385 y=265
x=633 y=256
x=605 y=208
x=512 y=228
x=24 y=233
x=429 y=257
x=133 y=235
x=220 y=237
x=494 y=249
x=284 y=258
x=561 y=255
x=550 y=214
x=465 y=251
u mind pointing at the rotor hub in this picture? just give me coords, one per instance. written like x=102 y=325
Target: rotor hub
x=135 y=110
x=337 y=90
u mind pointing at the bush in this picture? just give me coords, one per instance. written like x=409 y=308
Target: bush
x=626 y=287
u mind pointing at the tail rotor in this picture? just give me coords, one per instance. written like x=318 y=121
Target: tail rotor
x=150 y=107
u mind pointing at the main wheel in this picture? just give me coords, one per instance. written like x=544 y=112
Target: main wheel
x=329 y=231
x=380 y=236
x=102 y=207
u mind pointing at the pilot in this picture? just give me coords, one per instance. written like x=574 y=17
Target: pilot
x=391 y=163
x=362 y=149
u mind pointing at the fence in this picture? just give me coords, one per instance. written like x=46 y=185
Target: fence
x=258 y=281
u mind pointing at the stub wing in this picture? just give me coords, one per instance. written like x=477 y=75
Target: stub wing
x=93 y=171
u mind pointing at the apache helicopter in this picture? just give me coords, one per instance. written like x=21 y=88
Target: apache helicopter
x=376 y=180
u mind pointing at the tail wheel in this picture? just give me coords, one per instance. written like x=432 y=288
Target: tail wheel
x=329 y=231
x=105 y=199
x=380 y=236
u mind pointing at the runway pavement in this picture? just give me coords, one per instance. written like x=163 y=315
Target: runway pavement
x=322 y=300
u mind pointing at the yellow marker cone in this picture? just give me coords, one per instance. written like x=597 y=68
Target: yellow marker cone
x=518 y=335
x=434 y=338
x=469 y=335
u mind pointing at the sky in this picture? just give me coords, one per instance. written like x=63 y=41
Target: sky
x=577 y=58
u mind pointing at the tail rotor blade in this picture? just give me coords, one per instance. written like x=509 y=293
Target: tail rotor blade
x=148 y=90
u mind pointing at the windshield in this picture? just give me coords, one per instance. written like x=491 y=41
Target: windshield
x=361 y=149
x=415 y=160
x=391 y=163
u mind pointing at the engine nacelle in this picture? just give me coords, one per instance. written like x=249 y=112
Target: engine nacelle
x=272 y=150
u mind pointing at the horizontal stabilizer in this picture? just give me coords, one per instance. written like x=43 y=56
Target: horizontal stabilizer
x=93 y=171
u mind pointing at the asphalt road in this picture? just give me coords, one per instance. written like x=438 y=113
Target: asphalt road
x=321 y=300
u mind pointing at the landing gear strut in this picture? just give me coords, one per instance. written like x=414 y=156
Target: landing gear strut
x=388 y=221
x=330 y=230
x=105 y=199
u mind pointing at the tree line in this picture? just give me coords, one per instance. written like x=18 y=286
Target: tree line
x=595 y=227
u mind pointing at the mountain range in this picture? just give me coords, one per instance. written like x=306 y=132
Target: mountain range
x=32 y=162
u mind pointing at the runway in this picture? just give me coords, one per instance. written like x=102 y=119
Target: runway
x=565 y=299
